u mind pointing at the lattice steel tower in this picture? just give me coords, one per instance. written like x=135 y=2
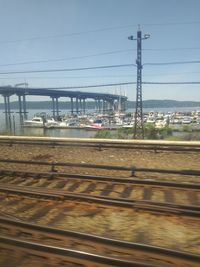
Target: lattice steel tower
x=139 y=125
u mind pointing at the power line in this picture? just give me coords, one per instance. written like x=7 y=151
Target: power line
x=97 y=77
x=171 y=49
x=90 y=86
x=172 y=63
x=75 y=69
x=115 y=84
x=100 y=67
x=95 y=55
x=123 y=83
x=34 y=38
x=162 y=83
x=100 y=76
x=67 y=34
x=171 y=23
x=69 y=58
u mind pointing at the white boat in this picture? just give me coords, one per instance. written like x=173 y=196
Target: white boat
x=41 y=122
x=51 y=123
x=186 y=120
x=70 y=123
x=97 y=125
x=38 y=122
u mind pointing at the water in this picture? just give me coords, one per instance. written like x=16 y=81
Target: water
x=76 y=133
x=79 y=133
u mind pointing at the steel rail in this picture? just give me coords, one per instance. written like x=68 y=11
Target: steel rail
x=57 y=194
x=101 y=143
x=125 y=180
x=132 y=169
x=105 y=145
x=160 y=252
x=77 y=256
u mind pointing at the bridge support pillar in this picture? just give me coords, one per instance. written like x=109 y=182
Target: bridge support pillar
x=72 y=106
x=53 y=107
x=77 y=106
x=96 y=105
x=24 y=106
x=81 y=106
x=99 y=105
x=57 y=107
x=20 y=109
x=84 y=106
x=104 y=106
x=7 y=112
x=123 y=106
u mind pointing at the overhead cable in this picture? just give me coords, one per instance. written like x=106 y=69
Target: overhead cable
x=171 y=63
x=115 y=84
x=95 y=55
x=68 y=58
x=171 y=83
x=34 y=38
x=171 y=49
x=98 y=67
x=67 y=70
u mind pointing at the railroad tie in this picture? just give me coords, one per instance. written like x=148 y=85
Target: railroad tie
x=169 y=197
x=41 y=212
x=193 y=198
x=126 y=192
x=107 y=190
x=147 y=193
x=89 y=189
x=25 y=207
x=60 y=184
x=74 y=186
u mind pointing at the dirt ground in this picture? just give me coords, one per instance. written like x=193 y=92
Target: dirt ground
x=117 y=157
x=152 y=228
x=174 y=232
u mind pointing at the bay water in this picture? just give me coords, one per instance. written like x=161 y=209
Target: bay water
x=79 y=133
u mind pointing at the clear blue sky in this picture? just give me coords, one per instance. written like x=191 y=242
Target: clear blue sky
x=37 y=30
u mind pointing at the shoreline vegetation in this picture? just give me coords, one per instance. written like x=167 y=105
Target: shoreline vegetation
x=186 y=133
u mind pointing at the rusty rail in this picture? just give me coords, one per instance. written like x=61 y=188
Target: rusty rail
x=157 y=255
x=64 y=176
x=132 y=169
x=57 y=194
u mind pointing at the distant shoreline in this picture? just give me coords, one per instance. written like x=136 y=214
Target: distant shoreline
x=91 y=105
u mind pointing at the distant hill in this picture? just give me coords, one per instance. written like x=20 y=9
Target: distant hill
x=91 y=104
x=165 y=104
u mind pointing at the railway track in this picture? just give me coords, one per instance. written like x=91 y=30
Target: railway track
x=51 y=218
x=23 y=215
x=69 y=247
x=126 y=192
x=114 y=222
x=103 y=143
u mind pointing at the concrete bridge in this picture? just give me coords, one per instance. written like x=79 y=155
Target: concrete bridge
x=103 y=101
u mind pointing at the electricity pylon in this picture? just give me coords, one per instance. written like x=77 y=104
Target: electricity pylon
x=139 y=124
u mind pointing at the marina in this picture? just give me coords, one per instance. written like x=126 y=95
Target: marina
x=113 y=121
x=41 y=122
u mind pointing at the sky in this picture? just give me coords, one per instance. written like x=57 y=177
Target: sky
x=67 y=34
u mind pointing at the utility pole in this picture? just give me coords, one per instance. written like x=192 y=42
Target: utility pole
x=139 y=125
